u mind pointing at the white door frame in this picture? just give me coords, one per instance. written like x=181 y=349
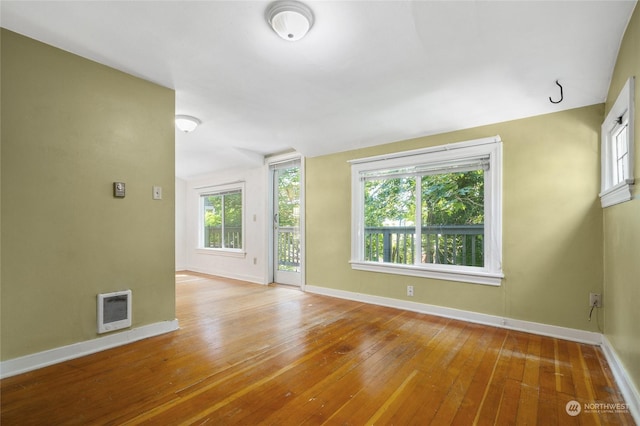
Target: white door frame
x=272 y=161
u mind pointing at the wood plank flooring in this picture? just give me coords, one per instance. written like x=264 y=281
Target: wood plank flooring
x=247 y=354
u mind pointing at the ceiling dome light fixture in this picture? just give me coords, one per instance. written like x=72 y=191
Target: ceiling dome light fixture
x=187 y=123
x=290 y=19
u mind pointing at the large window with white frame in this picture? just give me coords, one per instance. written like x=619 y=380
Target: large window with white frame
x=434 y=212
x=617 y=149
x=221 y=217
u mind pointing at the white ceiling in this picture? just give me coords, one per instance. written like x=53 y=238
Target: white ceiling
x=368 y=72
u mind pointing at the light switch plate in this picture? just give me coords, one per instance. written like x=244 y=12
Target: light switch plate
x=157 y=193
x=118 y=189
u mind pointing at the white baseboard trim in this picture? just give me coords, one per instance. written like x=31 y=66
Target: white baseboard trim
x=572 y=334
x=624 y=382
x=239 y=277
x=37 y=360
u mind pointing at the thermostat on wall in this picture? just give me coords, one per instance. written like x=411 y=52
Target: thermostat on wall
x=118 y=189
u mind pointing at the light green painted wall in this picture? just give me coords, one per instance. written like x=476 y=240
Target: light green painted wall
x=552 y=223
x=622 y=228
x=71 y=127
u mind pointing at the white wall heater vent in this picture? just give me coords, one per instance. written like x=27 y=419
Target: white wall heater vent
x=114 y=311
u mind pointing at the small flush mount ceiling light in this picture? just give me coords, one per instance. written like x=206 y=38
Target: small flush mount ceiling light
x=290 y=19
x=187 y=123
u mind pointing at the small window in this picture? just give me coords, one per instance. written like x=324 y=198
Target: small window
x=434 y=212
x=617 y=149
x=221 y=213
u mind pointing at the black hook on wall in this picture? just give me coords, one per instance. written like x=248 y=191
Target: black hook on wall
x=561 y=95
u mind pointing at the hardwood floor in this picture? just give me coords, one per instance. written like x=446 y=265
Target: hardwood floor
x=248 y=354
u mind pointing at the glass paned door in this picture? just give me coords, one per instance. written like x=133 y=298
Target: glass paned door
x=286 y=223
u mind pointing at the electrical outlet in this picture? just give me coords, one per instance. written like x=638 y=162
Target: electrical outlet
x=409 y=290
x=595 y=299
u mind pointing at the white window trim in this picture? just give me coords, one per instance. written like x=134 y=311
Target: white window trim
x=623 y=107
x=491 y=273
x=228 y=252
x=213 y=190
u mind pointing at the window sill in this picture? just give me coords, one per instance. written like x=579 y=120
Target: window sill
x=222 y=252
x=461 y=275
x=617 y=194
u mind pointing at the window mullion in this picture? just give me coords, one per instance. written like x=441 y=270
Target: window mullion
x=222 y=225
x=417 y=249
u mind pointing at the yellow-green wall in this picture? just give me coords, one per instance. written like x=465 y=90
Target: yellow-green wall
x=622 y=228
x=552 y=223
x=70 y=128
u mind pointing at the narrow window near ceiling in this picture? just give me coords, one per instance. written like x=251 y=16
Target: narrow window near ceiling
x=434 y=212
x=617 y=149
